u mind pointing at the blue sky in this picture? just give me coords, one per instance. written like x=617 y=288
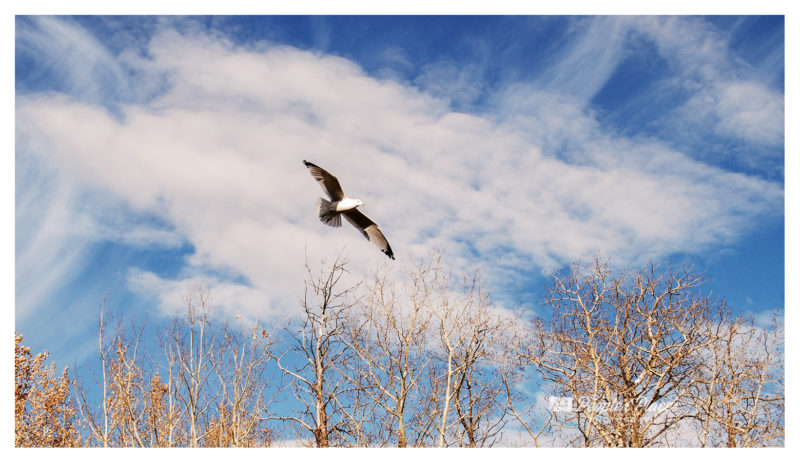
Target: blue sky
x=156 y=152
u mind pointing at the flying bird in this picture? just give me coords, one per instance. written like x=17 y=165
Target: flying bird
x=331 y=212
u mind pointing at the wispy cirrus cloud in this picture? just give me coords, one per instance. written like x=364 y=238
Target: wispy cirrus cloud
x=714 y=106
x=461 y=86
x=726 y=93
x=46 y=251
x=77 y=62
x=585 y=63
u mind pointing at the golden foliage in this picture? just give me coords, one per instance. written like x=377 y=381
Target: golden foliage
x=43 y=414
x=158 y=418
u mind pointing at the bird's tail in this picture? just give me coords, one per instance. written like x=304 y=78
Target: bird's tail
x=328 y=214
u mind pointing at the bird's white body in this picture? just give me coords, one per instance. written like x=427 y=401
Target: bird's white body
x=347 y=204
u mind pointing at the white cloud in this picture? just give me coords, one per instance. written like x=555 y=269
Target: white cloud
x=235 y=299
x=461 y=86
x=393 y=64
x=725 y=93
x=590 y=58
x=726 y=96
x=79 y=63
x=751 y=111
x=46 y=251
x=217 y=157
x=691 y=43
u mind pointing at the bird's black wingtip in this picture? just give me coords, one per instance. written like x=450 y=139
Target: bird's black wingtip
x=309 y=164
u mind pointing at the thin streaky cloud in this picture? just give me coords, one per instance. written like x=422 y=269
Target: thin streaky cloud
x=586 y=63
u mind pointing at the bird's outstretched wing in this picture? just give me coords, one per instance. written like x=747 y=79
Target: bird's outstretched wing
x=370 y=230
x=327 y=181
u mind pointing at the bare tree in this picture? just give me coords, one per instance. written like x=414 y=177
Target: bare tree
x=427 y=347
x=739 y=399
x=121 y=417
x=317 y=342
x=622 y=353
x=213 y=391
x=389 y=335
x=534 y=418
x=99 y=421
x=475 y=342
x=240 y=363
x=126 y=396
x=190 y=345
x=643 y=359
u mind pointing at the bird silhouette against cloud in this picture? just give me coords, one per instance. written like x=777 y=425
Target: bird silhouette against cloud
x=330 y=212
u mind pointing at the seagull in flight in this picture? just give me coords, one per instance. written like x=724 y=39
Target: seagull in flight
x=331 y=212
